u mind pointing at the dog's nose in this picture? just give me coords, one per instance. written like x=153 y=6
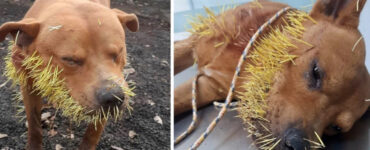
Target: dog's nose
x=294 y=139
x=110 y=95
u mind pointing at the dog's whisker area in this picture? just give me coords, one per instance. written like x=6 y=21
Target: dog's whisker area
x=263 y=137
x=273 y=146
x=266 y=140
x=267 y=144
x=312 y=142
x=117 y=98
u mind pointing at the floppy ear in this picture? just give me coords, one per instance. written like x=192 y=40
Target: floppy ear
x=341 y=12
x=128 y=20
x=27 y=29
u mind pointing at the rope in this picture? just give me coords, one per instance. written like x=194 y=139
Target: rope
x=243 y=57
x=194 y=106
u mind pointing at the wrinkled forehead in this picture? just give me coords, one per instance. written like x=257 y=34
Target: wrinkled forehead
x=70 y=31
x=333 y=43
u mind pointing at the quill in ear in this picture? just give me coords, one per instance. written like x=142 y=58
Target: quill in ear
x=29 y=27
x=23 y=32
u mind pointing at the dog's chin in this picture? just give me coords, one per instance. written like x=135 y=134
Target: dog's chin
x=106 y=113
x=274 y=138
x=266 y=139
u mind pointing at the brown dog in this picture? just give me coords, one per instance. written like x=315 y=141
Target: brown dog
x=87 y=40
x=324 y=91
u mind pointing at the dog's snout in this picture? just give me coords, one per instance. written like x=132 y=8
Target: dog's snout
x=294 y=139
x=110 y=95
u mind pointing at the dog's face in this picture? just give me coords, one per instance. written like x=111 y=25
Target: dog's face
x=88 y=45
x=325 y=90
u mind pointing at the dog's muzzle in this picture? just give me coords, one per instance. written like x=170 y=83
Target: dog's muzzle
x=110 y=94
x=294 y=140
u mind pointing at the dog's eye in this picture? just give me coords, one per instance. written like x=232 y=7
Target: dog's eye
x=71 y=61
x=315 y=76
x=114 y=57
x=336 y=128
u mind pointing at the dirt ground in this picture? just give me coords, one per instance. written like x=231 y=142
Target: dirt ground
x=149 y=55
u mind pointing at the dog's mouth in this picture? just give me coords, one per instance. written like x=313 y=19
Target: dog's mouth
x=291 y=138
x=115 y=109
x=47 y=83
x=105 y=113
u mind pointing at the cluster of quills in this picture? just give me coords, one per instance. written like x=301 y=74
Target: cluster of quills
x=266 y=59
x=47 y=83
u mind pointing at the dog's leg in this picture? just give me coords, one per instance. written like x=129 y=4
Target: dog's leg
x=183 y=54
x=33 y=103
x=208 y=90
x=92 y=136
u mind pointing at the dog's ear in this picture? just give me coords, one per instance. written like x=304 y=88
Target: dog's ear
x=26 y=29
x=128 y=20
x=341 y=12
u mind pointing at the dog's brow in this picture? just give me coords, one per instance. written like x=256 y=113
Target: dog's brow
x=309 y=49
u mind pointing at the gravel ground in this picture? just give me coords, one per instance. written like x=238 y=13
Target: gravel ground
x=149 y=56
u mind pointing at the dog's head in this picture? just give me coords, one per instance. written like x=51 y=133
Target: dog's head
x=325 y=89
x=86 y=41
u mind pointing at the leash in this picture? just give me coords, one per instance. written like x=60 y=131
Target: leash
x=194 y=107
x=213 y=124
